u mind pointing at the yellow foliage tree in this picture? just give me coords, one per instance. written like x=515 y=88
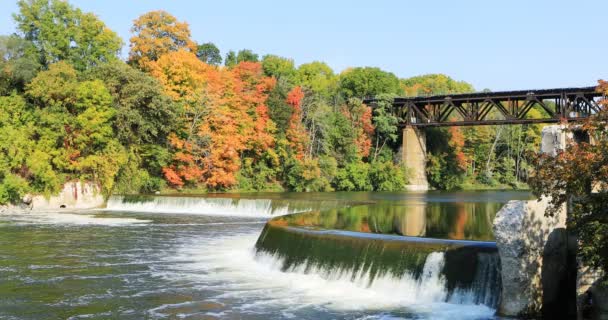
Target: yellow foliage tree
x=155 y=34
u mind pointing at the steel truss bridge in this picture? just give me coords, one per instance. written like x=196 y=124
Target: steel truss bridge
x=511 y=107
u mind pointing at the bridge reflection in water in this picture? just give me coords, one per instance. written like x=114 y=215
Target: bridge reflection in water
x=452 y=220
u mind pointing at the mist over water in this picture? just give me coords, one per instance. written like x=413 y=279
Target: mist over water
x=170 y=265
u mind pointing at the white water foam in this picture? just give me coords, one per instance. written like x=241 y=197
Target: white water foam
x=255 y=208
x=56 y=218
x=229 y=265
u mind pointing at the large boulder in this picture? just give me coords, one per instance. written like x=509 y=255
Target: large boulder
x=533 y=254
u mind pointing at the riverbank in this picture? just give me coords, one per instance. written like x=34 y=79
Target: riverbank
x=279 y=189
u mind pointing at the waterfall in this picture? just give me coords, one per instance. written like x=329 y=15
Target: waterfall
x=486 y=284
x=410 y=271
x=238 y=207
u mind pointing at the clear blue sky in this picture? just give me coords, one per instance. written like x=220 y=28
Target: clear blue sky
x=500 y=45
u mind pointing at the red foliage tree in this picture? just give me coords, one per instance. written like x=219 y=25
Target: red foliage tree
x=360 y=117
x=296 y=132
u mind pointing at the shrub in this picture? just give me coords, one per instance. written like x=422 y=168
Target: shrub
x=386 y=176
x=12 y=188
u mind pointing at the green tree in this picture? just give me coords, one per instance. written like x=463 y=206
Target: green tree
x=145 y=117
x=317 y=77
x=144 y=114
x=75 y=125
x=386 y=122
x=434 y=84
x=306 y=176
x=279 y=111
x=338 y=137
x=209 y=54
x=12 y=188
x=233 y=58
x=354 y=177
x=18 y=64
x=280 y=68
x=230 y=60
x=387 y=176
x=59 y=31
x=247 y=55
x=368 y=82
x=16 y=147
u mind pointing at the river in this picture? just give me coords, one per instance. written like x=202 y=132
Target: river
x=195 y=258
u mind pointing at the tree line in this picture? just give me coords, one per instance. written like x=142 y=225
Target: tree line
x=178 y=115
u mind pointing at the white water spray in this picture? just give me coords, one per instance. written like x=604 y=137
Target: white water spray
x=254 y=208
x=242 y=274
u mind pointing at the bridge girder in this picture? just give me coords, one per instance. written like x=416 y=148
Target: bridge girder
x=512 y=107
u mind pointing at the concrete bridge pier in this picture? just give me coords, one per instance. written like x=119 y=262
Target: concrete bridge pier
x=414 y=158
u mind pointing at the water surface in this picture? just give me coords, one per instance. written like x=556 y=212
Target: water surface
x=170 y=261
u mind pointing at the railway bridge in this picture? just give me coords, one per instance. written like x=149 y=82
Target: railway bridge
x=562 y=105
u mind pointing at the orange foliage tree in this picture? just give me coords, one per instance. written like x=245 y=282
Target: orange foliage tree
x=252 y=87
x=183 y=76
x=238 y=121
x=457 y=142
x=225 y=117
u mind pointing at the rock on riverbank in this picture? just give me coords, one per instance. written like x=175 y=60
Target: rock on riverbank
x=533 y=254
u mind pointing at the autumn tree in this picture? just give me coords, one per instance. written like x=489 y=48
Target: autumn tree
x=447 y=164
x=183 y=77
x=360 y=117
x=155 y=34
x=296 y=132
x=253 y=87
x=58 y=31
x=578 y=176
x=225 y=118
x=237 y=124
